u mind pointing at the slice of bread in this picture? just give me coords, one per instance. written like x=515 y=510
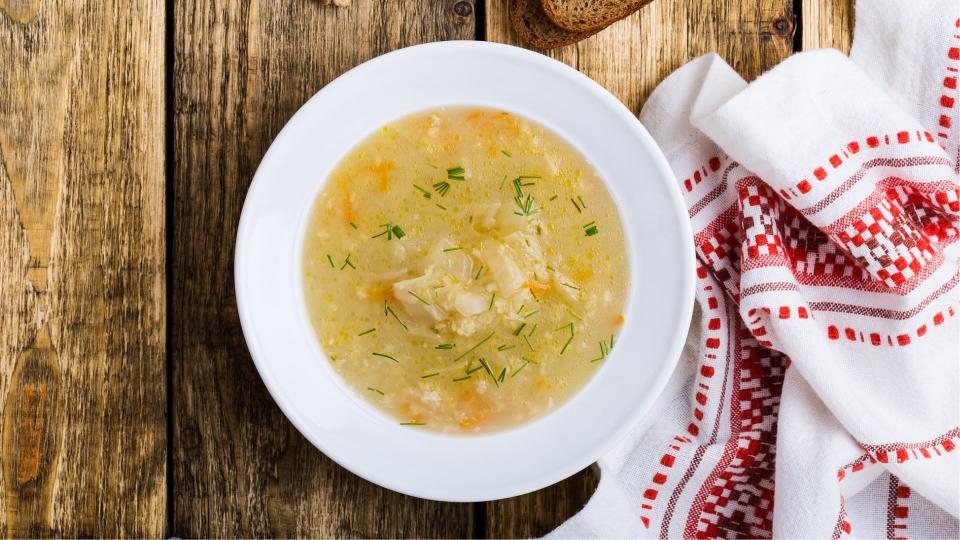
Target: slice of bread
x=589 y=15
x=533 y=26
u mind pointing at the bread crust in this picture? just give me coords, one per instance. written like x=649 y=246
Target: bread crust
x=588 y=15
x=534 y=27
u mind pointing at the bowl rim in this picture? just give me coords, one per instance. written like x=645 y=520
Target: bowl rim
x=662 y=170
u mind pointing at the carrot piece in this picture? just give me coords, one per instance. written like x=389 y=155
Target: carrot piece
x=474 y=115
x=618 y=320
x=383 y=171
x=537 y=287
x=348 y=213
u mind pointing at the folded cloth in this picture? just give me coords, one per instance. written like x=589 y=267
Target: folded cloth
x=825 y=201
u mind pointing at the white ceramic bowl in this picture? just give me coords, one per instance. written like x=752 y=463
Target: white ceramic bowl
x=271 y=301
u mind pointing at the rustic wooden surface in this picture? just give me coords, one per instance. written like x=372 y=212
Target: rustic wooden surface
x=82 y=268
x=129 y=133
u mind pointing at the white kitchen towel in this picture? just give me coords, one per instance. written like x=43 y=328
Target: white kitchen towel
x=822 y=399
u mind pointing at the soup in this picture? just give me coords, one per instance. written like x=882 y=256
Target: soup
x=465 y=270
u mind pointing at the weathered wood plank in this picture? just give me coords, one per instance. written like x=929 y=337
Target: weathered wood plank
x=241 y=70
x=82 y=320
x=827 y=23
x=629 y=58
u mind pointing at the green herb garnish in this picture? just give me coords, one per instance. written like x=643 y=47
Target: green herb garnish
x=385 y=356
x=365 y=332
x=332 y=264
x=347 y=263
x=463 y=378
x=492 y=296
x=448 y=250
x=504 y=152
x=456 y=173
x=471 y=349
x=532 y=330
x=519 y=369
x=582 y=204
x=519 y=329
x=480 y=271
x=428 y=375
x=574 y=287
x=415 y=295
x=426 y=194
x=506 y=347
x=569 y=339
x=391 y=231
x=440 y=206
x=574 y=314
x=502 y=373
x=387 y=310
x=377 y=390
x=575 y=205
x=553 y=198
x=486 y=367
x=354 y=225
x=590 y=229
x=442 y=188
x=445 y=346
x=531 y=314
x=412 y=424
x=527 y=340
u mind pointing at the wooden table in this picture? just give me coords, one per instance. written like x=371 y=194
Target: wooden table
x=129 y=132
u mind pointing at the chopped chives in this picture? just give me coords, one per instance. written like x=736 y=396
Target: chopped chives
x=415 y=295
x=474 y=370
x=463 y=378
x=506 y=347
x=347 y=263
x=426 y=194
x=519 y=311
x=442 y=188
x=519 y=329
x=329 y=258
x=577 y=206
x=502 y=373
x=365 y=332
x=398 y=232
x=571 y=286
x=354 y=225
x=526 y=339
x=504 y=152
x=492 y=296
x=553 y=198
x=582 y=204
x=516 y=186
x=565 y=345
x=572 y=333
x=385 y=356
x=486 y=367
x=611 y=341
x=456 y=173
x=480 y=271
x=532 y=330
x=448 y=250
x=412 y=424
x=377 y=390
x=390 y=311
x=526 y=176
x=440 y=206
x=471 y=349
x=391 y=231
x=519 y=369
x=590 y=229
x=574 y=314
x=531 y=314
x=428 y=375
x=445 y=346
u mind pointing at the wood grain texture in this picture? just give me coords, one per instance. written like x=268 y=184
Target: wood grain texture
x=241 y=70
x=82 y=320
x=827 y=23
x=630 y=58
